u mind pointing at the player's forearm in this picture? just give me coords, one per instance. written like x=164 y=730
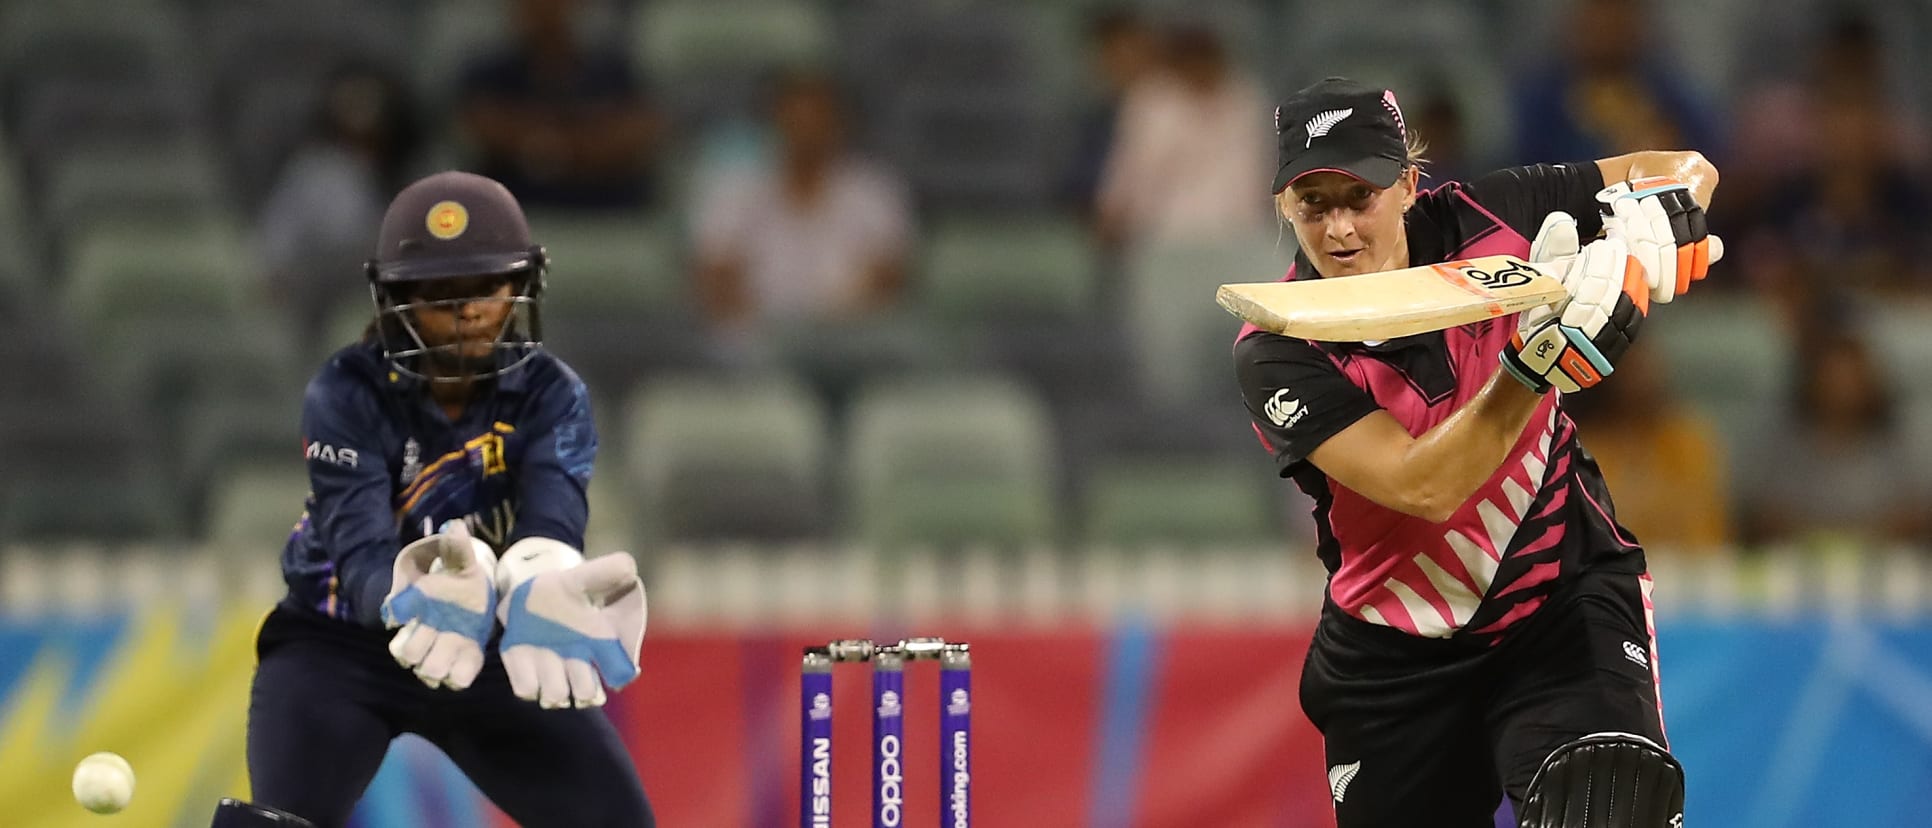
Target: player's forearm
x=1447 y=464
x=1688 y=166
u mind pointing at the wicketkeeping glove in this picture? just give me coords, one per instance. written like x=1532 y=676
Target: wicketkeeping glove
x=1574 y=345
x=441 y=595
x=1665 y=229
x=567 y=620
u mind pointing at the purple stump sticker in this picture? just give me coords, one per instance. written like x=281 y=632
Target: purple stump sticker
x=888 y=740
x=955 y=737
x=815 y=741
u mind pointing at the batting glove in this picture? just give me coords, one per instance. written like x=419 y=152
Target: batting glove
x=1578 y=347
x=567 y=620
x=1556 y=243
x=441 y=594
x=1665 y=229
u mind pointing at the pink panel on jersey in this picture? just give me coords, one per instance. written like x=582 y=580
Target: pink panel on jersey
x=1425 y=578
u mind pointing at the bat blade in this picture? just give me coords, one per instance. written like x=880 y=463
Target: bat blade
x=1394 y=303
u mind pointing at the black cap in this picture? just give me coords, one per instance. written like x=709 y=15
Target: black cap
x=453 y=224
x=1343 y=126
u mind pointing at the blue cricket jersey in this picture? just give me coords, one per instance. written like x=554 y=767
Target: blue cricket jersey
x=383 y=458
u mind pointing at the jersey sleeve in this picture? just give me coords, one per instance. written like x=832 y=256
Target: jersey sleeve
x=553 y=484
x=350 y=487
x=1522 y=196
x=1296 y=396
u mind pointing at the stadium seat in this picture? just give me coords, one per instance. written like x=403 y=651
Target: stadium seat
x=1724 y=349
x=680 y=39
x=980 y=270
x=255 y=507
x=266 y=120
x=190 y=270
x=707 y=59
x=951 y=462
x=1901 y=338
x=1022 y=295
x=220 y=431
x=1184 y=341
x=617 y=264
x=618 y=306
x=81 y=469
x=1185 y=500
x=132 y=181
x=454 y=33
x=953 y=102
x=58 y=114
x=167 y=367
x=98 y=40
x=742 y=458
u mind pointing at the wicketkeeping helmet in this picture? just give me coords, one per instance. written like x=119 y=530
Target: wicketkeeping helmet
x=455 y=225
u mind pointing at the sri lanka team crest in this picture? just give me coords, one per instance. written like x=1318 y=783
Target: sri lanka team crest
x=447 y=220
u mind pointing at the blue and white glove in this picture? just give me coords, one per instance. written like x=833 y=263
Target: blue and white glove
x=441 y=594
x=567 y=620
x=1576 y=343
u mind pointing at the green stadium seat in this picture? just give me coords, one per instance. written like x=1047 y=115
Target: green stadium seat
x=82 y=470
x=618 y=307
x=219 y=432
x=92 y=39
x=1184 y=340
x=987 y=270
x=1723 y=350
x=255 y=507
x=610 y=265
x=131 y=181
x=959 y=461
x=165 y=366
x=740 y=458
x=685 y=38
x=453 y=33
x=1182 y=500
x=1901 y=338
x=193 y=270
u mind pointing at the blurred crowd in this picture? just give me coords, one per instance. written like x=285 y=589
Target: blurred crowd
x=809 y=162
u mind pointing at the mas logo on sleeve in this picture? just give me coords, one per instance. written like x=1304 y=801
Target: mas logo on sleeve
x=344 y=457
x=1284 y=411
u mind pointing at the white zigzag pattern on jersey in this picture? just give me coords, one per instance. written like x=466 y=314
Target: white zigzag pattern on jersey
x=1500 y=523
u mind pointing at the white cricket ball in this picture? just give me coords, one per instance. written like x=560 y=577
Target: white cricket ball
x=103 y=782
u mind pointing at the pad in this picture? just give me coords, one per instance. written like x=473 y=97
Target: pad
x=233 y=813
x=1606 y=780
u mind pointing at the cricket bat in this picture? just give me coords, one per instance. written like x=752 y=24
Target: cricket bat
x=1394 y=303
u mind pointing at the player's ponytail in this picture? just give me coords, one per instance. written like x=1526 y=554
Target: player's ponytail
x=1414 y=149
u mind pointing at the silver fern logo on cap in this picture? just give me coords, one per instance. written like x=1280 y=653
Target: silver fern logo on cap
x=1319 y=125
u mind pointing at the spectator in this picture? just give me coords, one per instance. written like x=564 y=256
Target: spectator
x=1837 y=199
x=817 y=235
x=1610 y=93
x=317 y=224
x=1837 y=465
x=559 y=123
x=1192 y=140
x=1124 y=52
x=1660 y=457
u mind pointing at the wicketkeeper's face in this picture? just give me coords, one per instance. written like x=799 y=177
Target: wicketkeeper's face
x=465 y=316
x=1348 y=226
